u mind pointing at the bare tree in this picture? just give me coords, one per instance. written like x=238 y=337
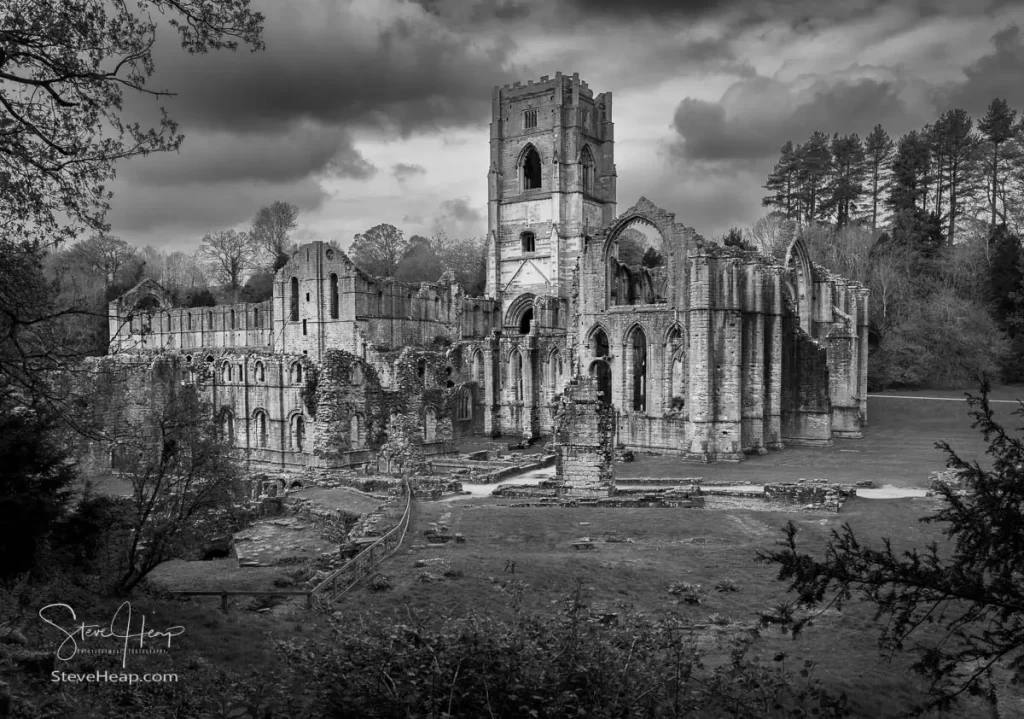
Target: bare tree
x=229 y=257
x=105 y=255
x=270 y=230
x=771 y=234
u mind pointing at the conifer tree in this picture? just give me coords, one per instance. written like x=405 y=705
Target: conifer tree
x=878 y=152
x=782 y=183
x=997 y=128
x=847 y=182
x=814 y=163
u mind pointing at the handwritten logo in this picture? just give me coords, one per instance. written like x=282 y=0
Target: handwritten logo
x=120 y=628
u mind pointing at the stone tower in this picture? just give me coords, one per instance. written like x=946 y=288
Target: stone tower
x=552 y=177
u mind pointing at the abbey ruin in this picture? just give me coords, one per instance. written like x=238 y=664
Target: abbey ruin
x=698 y=349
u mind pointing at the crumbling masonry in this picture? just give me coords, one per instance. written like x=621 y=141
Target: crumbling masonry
x=694 y=348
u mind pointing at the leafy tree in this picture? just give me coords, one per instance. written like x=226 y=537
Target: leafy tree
x=464 y=257
x=259 y=287
x=270 y=230
x=35 y=474
x=732 y=238
x=420 y=262
x=972 y=595
x=1006 y=276
x=878 y=150
x=65 y=67
x=997 y=128
x=229 y=256
x=379 y=250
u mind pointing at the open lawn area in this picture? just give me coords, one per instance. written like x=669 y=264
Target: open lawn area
x=663 y=546
x=898 y=445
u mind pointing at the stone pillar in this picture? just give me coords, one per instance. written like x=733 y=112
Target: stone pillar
x=492 y=425
x=844 y=365
x=700 y=378
x=863 y=298
x=773 y=361
x=530 y=389
x=584 y=442
x=728 y=357
x=752 y=430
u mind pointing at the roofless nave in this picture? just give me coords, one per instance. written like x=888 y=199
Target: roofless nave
x=704 y=350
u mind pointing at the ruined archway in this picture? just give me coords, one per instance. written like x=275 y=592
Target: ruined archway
x=600 y=370
x=798 y=281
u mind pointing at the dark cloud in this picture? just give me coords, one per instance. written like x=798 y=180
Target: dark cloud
x=219 y=157
x=179 y=215
x=403 y=171
x=326 y=64
x=997 y=74
x=758 y=115
x=461 y=211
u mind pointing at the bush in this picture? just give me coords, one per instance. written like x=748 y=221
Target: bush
x=727 y=585
x=687 y=593
x=380 y=583
x=943 y=341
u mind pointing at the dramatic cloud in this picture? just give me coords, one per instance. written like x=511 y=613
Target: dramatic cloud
x=758 y=115
x=459 y=217
x=997 y=74
x=385 y=66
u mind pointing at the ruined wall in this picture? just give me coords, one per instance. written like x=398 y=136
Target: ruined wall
x=584 y=442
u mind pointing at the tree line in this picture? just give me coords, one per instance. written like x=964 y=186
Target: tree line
x=930 y=223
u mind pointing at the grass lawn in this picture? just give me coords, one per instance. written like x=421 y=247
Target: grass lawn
x=340 y=498
x=898 y=446
x=696 y=546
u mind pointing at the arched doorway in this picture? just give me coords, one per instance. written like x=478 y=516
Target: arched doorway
x=637 y=343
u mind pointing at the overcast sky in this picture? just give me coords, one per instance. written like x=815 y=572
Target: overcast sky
x=377 y=110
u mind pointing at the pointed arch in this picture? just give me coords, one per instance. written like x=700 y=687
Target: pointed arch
x=597 y=340
x=799 y=281
x=587 y=167
x=297 y=430
x=635 y=344
x=529 y=165
x=477 y=366
x=227 y=425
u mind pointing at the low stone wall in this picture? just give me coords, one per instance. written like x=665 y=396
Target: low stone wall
x=951 y=478
x=810 y=494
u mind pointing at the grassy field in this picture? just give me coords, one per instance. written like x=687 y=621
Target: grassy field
x=700 y=547
x=898 y=445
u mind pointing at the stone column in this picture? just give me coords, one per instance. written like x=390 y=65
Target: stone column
x=752 y=434
x=773 y=359
x=728 y=323
x=530 y=389
x=700 y=381
x=492 y=425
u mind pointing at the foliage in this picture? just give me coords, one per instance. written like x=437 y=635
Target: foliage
x=379 y=250
x=270 y=231
x=972 y=596
x=35 y=474
x=420 y=262
x=943 y=342
x=259 y=287
x=545 y=665
x=65 y=67
x=183 y=476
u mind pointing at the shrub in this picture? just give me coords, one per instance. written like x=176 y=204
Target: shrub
x=380 y=583
x=727 y=585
